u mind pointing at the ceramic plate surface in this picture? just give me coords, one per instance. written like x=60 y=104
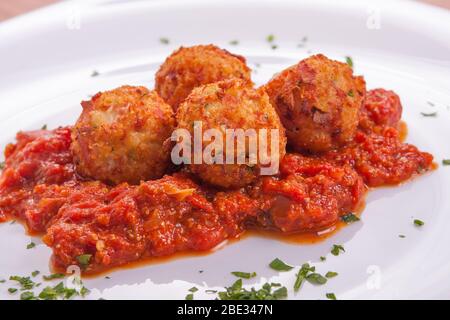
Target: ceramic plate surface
x=48 y=57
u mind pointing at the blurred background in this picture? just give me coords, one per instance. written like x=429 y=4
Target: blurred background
x=11 y=8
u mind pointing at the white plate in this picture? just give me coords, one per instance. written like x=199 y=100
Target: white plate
x=47 y=58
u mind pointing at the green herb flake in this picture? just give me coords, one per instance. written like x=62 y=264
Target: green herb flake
x=418 y=222
x=322 y=258
x=164 y=40
x=2 y=280
x=13 y=222
x=429 y=114
x=27 y=295
x=245 y=275
x=53 y=276
x=446 y=162
x=349 y=218
x=94 y=73
x=12 y=290
x=331 y=296
x=280 y=293
x=316 y=278
x=44 y=127
x=35 y=273
x=193 y=289
x=301 y=275
x=337 y=249
x=25 y=282
x=279 y=265
x=234 y=42
x=2 y=166
x=270 y=38
x=210 y=291
x=350 y=93
x=349 y=61
x=84 y=291
x=331 y=274
x=401 y=236
x=84 y=259
x=31 y=245
x=48 y=293
x=266 y=292
x=274 y=47
x=190 y=296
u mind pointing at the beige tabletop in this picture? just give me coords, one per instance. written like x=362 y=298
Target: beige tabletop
x=11 y=8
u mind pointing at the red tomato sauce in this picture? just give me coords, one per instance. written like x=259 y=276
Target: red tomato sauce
x=117 y=225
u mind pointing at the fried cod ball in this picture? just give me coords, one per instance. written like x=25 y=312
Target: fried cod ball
x=318 y=101
x=191 y=67
x=121 y=136
x=232 y=104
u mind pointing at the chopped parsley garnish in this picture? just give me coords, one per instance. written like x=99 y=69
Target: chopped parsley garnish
x=54 y=276
x=60 y=291
x=164 y=40
x=210 y=291
x=322 y=258
x=25 y=282
x=84 y=291
x=349 y=61
x=193 y=289
x=245 y=275
x=316 y=278
x=301 y=275
x=267 y=292
x=418 y=222
x=446 y=162
x=270 y=38
x=331 y=296
x=350 y=93
x=31 y=245
x=331 y=274
x=107 y=277
x=27 y=295
x=430 y=114
x=94 y=73
x=2 y=280
x=401 y=236
x=234 y=42
x=44 y=127
x=2 y=165
x=349 y=218
x=13 y=222
x=190 y=296
x=84 y=259
x=274 y=46
x=35 y=273
x=337 y=249
x=279 y=265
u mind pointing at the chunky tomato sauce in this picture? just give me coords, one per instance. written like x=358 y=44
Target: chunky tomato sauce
x=117 y=225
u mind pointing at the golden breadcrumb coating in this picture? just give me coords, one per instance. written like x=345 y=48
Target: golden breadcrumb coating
x=231 y=104
x=318 y=101
x=191 y=67
x=122 y=136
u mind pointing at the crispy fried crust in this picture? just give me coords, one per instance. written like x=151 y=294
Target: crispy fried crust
x=191 y=67
x=230 y=104
x=318 y=101
x=121 y=136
